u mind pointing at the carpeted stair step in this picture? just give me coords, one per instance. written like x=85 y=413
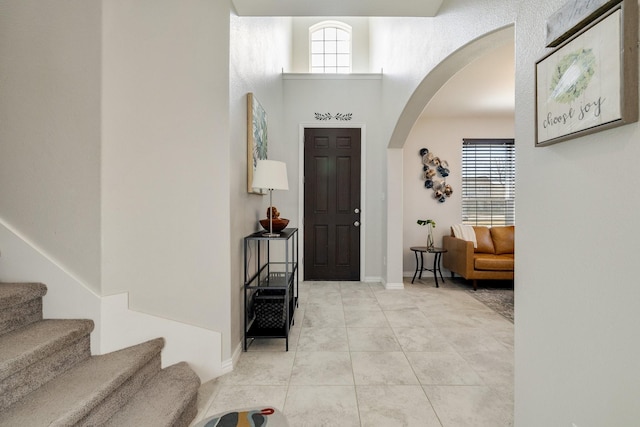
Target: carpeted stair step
x=36 y=353
x=20 y=305
x=89 y=393
x=169 y=399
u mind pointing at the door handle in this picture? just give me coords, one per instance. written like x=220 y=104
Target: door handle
x=357 y=223
x=356 y=210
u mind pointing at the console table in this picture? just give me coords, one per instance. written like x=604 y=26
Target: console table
x=420 y=262
x=270 y=285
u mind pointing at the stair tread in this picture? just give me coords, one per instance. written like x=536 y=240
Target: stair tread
x=69 y=397
x=162 y=400
x=18 y=293
x=27 y=345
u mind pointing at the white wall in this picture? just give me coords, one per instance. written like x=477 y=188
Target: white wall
x=67 y=298
x=50 y=130
x=359 y=95
x=408 y=49
x=443 y=137
x=576 y=279
x=260 y=49
x=166 y=160
x=359 y=43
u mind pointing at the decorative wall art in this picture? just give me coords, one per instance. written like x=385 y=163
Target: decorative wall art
x=590 y=83
x=343 y=117
x=574 y=16
x=256 y=139
x=432 y=168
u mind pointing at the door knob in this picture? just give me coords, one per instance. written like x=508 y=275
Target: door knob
x=356 y=210
x=357 y=223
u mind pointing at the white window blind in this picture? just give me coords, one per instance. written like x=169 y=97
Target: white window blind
x=488 y=182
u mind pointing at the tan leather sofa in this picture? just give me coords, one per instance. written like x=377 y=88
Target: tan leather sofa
x=493 y=258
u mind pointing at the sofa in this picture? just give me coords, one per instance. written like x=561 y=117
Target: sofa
x=491 y=259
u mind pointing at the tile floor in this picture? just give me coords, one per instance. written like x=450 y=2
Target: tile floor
x=360 y=355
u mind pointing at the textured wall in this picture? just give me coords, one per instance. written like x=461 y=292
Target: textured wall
x=166 y=159
x=577 y=249
x=50 y=131
x=260 y=49
x=443 y=137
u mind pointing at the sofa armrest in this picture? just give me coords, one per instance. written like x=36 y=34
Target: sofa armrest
x=459 y=256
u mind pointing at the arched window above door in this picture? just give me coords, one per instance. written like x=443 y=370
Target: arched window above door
x=330 y=47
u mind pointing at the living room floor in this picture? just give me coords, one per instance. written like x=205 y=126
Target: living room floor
x=361 y=355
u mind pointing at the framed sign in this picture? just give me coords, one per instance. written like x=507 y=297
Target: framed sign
x=590 y=83
x=256 y=139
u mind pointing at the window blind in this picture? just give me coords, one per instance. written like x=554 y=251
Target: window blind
x=488 y=182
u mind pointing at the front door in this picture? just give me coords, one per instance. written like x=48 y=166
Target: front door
x=332 y=204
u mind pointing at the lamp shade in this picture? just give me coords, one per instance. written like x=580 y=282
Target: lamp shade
x=271 y=175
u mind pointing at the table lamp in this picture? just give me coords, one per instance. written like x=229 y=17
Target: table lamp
x=270 y=175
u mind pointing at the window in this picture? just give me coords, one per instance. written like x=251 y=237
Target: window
x=488 y=182
x=330 y=47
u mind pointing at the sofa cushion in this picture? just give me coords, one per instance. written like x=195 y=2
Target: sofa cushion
x=503 y=239
x=493 y=262
x=483 y=237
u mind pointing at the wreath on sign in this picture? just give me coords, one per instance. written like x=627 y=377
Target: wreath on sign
x=432 y=167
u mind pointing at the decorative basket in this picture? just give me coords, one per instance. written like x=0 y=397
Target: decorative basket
x=270 y=310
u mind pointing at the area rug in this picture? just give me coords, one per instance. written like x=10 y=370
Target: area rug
x=499 y=299
x=263 y=416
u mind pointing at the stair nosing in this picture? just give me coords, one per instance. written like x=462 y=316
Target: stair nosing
x=39 y=350
x=94 y=391
x=18 y=293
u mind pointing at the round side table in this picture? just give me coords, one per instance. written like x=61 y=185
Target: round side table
x=419 y=252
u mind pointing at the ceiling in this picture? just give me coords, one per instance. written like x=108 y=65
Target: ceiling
x=485 y=87
x=337 y=7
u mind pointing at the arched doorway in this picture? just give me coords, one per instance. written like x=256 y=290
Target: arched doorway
x=424 y=92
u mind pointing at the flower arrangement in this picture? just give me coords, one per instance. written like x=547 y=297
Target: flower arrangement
x=432 y=224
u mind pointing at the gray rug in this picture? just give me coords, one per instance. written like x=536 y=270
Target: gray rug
x=499 y=298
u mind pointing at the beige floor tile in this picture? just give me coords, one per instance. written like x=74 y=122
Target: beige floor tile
x=365 y=319
x=494 y=367
x=394 y=300
x=261 y=368
x=401 y=349
x=329 y=316
x=442 y=369
x=382 y=368
x=407 y=318
x=469 y=406
x=237 y=397
x=323 y=286
x=322 y=406
x=422 y=339
x=470 y=340
x=372 y=339
x=323 y=339
x=350 y=304
x=355 y=286
x=333 y=298
x=322 y=368
x=398 y=406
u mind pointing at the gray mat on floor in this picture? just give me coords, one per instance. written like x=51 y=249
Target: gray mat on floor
x=499 y=299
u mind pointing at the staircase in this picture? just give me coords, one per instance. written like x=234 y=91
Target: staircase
x=49 y=378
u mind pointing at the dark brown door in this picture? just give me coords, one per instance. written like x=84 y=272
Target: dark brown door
x=331 y=204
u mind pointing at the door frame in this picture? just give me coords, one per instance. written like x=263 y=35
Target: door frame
x=363 y=187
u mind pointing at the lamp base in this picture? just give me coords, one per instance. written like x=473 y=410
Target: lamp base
x=267 y=234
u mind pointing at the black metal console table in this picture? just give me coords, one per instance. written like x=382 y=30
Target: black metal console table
x=270 y=285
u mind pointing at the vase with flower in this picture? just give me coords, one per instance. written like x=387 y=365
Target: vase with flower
x=431 y=224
